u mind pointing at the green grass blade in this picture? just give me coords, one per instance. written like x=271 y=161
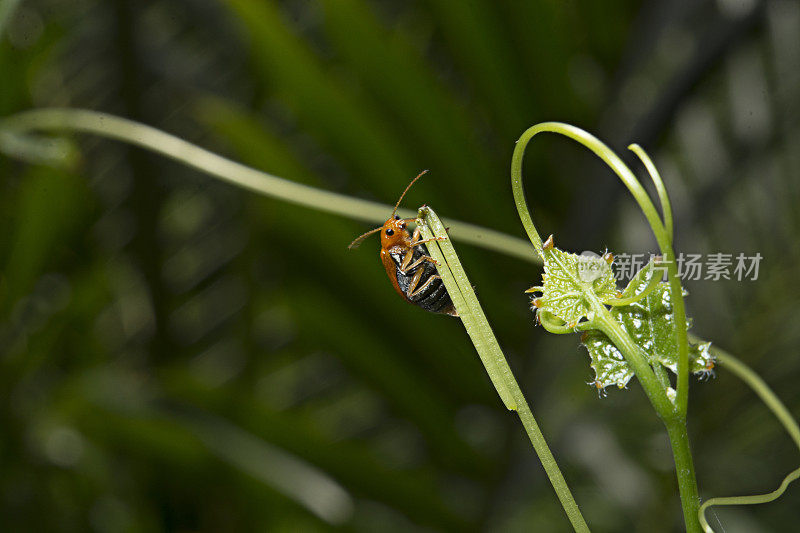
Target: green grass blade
x=492 y=357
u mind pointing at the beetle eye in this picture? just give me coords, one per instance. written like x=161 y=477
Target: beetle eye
x=390 y=231
x=397 y=217
x=403 y=225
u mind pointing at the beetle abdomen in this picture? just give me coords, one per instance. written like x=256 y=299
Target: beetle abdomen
x=434 y=296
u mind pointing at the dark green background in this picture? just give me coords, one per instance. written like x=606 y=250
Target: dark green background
x=180 y=355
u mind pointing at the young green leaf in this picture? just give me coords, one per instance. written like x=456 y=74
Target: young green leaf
x=567 y=281
x=650 y=323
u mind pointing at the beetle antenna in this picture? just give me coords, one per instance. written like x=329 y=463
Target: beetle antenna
x=405 y=191
x=357 y=242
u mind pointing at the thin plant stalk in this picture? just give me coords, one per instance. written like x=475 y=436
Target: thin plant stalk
x=155 y=140
x=759 y=386
x=491 y=355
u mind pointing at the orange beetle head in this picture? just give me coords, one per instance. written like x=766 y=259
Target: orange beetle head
x=394 y=232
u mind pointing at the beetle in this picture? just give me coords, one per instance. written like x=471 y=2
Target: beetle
x=408 y=264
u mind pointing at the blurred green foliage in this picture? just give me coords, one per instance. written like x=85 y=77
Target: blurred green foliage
x=177 y=355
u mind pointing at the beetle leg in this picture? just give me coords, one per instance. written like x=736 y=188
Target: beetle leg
x=412 y=285
x=407 y=260
x=415 y=238
x=412 y=293
x=429 y=240
x=418 y=262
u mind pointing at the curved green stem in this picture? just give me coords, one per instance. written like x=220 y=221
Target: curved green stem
x=745 y=500
x=651 y=286
x=555 y=325
x=780 y=411
x=121 y=129
x=518 y=188
x=469 y=310
x=602 y=151
x=663 y=197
